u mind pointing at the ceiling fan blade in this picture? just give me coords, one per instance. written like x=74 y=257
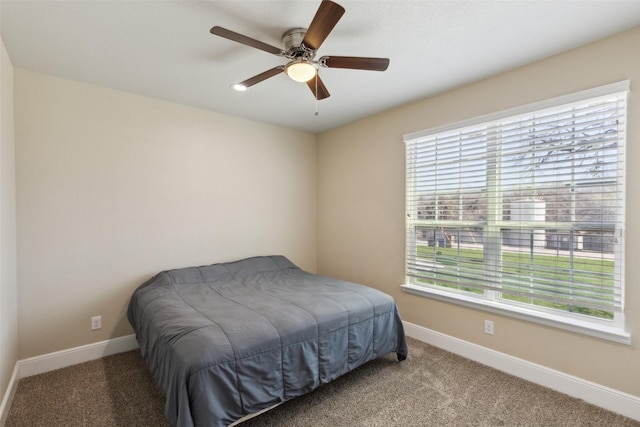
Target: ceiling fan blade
x=321 y=92
x=355 y=62
x=327 y=16
x=260 y=77
x=239 y=38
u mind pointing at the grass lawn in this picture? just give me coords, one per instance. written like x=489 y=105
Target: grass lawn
x=552 y=281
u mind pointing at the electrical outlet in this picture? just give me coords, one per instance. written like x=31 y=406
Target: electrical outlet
x=488 y=327
x=96 y=322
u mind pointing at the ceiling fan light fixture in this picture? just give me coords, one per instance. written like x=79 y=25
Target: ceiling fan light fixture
x=301 y=45
x=301 y=70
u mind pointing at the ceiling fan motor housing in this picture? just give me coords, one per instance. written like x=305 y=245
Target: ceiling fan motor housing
x=292 y=41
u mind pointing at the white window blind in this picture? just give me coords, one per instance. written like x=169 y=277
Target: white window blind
x=525 y=210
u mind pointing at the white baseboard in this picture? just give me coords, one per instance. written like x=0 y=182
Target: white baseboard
x=62 y=359
x=8 y=396
x=73 y=356
x=596 y=394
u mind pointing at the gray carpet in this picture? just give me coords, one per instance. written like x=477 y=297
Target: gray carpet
x=431 y=388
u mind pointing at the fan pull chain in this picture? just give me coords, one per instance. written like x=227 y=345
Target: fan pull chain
x=316 y=94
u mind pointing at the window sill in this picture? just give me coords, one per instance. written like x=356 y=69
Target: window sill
x=605 y=332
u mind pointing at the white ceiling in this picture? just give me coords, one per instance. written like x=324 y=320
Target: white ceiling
x=163 y=49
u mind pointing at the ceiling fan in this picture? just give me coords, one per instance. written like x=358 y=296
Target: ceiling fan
x=300 y=49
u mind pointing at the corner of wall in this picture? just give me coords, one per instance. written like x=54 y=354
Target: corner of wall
x=8 y=265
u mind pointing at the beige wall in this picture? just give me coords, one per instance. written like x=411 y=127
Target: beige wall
x=113 y=188
x=361 y=208
x=8 y=281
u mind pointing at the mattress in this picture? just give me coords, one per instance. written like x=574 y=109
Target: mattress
x=227 y=340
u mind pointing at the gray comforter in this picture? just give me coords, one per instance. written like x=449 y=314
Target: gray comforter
x=231 y=339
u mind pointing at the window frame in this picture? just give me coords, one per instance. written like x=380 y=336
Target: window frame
x=613 y=330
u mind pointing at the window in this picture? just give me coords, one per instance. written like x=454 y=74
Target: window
x=522 y=212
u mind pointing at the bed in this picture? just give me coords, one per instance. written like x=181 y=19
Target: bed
x=228 y=340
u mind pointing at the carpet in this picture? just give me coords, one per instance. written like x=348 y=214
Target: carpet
x=431 y=388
